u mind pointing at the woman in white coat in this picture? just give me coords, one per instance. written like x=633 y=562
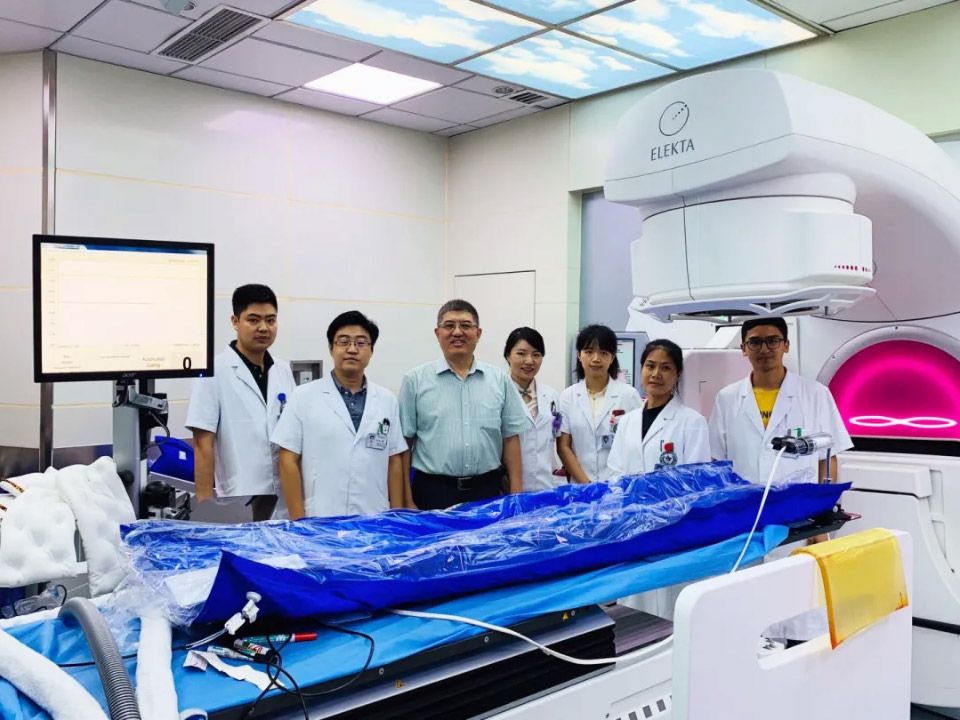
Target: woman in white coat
x=591 y=409
x=664 y=432
x=524 y=351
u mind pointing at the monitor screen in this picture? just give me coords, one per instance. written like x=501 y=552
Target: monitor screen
x=626 y=352
x=107 y=309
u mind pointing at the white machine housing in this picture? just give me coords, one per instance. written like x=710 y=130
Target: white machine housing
x=712 y=671
x=759 y=193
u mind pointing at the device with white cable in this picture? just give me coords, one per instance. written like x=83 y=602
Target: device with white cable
x=247 y=614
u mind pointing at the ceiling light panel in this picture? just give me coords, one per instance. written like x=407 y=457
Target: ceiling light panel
x=564 y=65
x=371 y=84
x=690 y=33
x=554 y=11
x=440 y=30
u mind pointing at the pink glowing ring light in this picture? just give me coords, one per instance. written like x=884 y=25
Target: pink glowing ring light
x=900 y=388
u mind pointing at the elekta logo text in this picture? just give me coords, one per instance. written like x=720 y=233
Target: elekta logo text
x=672 y=121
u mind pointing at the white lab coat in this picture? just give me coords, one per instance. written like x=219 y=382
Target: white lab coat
x=631 y=455
x=592 y=441
x=230 y=404
x=676 y=423
x=342 y=473
x=737 y=432
x=538 y=444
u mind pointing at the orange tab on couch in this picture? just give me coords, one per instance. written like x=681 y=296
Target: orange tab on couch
x=862 y=578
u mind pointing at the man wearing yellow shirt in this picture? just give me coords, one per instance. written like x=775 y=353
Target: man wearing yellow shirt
x=773 y=402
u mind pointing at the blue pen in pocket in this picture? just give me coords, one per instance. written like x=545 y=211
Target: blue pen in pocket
x=282 y=397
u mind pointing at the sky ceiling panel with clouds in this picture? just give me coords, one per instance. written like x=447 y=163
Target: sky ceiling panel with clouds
x=532 y=51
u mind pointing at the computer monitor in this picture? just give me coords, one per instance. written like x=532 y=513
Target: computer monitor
x=112 y=309
x=629 y=348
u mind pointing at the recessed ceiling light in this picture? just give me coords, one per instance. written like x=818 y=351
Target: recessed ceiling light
x=363 y=82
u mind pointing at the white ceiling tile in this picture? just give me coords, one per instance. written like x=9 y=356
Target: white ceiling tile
x=230 y=82
x=884 y=12
x=316 y=41
x=455 y=130
x=457 y=106
x=264 y=8
x=822 y=11
x=424 y=69
x=115 y=55
x=128 y=25
x=16 y=37
x=405 y=119
x=274 y=63
x=503 y=117
x=325 y=101
x=54 y=14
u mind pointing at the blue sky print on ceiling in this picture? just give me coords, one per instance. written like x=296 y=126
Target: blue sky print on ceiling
x=440 y=30
x=689 y=33
x=565 y=65
x=554 y=11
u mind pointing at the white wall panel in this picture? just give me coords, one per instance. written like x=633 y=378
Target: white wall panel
x=17 y=339
x=21 y=160
x=21 y=194
x=361 y=164
x=131 y=124
x=365 y=256
x=21 y=122
x=19 y=425
x=334 y=213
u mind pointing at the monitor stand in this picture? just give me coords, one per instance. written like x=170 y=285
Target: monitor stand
x=135 y=410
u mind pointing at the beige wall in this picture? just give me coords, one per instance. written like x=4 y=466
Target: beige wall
x=21 y=215
x=512 y=189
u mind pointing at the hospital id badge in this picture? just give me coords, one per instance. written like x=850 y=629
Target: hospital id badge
x=377 y=441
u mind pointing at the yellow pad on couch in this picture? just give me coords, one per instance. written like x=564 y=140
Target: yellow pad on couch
x=862 y=578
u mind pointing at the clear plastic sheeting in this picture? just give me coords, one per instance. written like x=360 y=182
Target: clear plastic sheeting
x=348 y=565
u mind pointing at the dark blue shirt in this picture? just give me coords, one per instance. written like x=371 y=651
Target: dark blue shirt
x=355 y=402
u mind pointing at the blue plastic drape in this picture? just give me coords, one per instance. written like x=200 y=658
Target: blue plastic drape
x=335 y=566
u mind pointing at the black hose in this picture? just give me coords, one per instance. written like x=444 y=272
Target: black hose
x=121 y=700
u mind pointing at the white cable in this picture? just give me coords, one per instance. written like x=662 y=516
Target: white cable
x=642 y=653
x=763 y=502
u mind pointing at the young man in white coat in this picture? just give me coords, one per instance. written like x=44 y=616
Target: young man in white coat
x=233 y=413
x=341 y=446
x=773 y=402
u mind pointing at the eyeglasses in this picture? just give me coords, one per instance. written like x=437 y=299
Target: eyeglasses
x=450 y=326
x=360 y=342
x=773 y=343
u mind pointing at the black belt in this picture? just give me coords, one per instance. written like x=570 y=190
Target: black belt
x=464 y=483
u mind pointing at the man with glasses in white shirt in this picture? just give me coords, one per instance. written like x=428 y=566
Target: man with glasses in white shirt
x=462 y=419
x=339 y=439
x=773 y=402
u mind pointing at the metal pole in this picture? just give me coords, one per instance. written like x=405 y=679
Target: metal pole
x=48 y=227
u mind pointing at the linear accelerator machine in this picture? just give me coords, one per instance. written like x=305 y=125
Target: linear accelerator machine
x=761 y=193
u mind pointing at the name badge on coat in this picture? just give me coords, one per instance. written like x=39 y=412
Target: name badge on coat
x=378 y=440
